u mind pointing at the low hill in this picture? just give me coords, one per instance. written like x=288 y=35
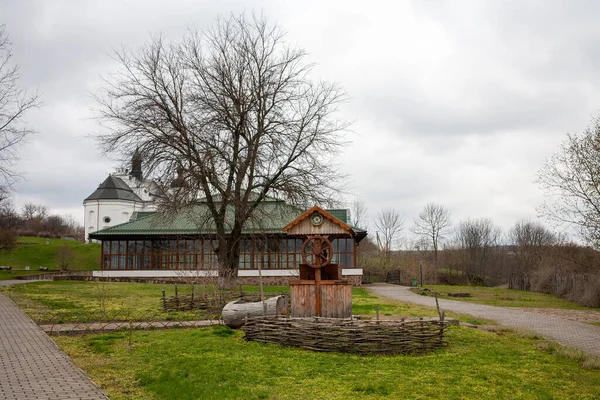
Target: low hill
x=36 y=252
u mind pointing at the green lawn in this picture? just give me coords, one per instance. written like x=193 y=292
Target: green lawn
x=34 y=252
x=216 y=363
x=503 y=297
x=82 y=300
x=65 y=301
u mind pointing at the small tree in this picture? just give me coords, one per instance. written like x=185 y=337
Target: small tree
x=64 y=257
x=433 y=223
x=388 y=225
x=571 y=182
x=359 y=214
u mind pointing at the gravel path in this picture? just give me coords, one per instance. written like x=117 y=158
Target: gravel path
x=567 y=332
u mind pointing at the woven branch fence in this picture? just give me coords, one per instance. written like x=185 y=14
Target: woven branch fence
x=348 y=335
x=208 y=301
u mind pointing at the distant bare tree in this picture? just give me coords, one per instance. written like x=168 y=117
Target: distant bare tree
x=359 y=214
x=233 y=115
x=434 y=223
x=32 y=211
x=33 y=218
x=478 y=238
x=571 y=182
x=531 y=241
x=10 y=221
x=388 y=226
x=15 y=102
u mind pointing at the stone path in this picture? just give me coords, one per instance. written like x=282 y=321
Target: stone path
x=104 y=327
x=568 y=333
x=32 y=366
x=9 y=282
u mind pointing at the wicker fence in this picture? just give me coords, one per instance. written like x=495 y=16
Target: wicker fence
x=349 y=335
x=212 y=301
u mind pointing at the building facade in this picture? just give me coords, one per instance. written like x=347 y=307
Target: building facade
x=151 y=244
x=122 y=194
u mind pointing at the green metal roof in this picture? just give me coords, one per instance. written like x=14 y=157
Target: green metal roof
x=340 y=214
x=270 y=217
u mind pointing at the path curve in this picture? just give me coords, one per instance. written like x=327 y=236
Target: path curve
x=578 y=335
x=32 y=366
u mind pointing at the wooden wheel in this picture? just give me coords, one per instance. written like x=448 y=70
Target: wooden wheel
x=316 y=251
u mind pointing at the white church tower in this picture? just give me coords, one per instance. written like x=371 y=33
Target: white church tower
x=118 y=197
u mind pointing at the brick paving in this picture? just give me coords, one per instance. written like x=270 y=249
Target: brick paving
x=574 y=334
x=32 y=366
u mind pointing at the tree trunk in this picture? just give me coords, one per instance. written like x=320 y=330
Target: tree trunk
x=235 y=312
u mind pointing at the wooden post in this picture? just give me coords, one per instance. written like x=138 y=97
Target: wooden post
x=377 y=311
x=261 y=291
x=192 y=299
x=421 y=270
x=176 y=299
x=318 y=310
x=164 y=299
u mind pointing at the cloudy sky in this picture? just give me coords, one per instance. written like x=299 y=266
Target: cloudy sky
x=456 y=102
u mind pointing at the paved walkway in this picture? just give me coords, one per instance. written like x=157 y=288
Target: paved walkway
x=568 y=333
x=32 y=366
x=8 y=282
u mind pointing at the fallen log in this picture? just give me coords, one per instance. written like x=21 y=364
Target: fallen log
x=235 y=312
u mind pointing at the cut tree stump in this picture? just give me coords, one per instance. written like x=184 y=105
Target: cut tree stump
x=235 y=312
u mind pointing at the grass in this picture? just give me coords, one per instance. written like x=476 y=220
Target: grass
x=66 y=301
x=218 y=363
x=34 y=252
x=77 y=300
x=503 y=297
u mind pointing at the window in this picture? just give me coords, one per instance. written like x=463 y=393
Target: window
x=106 y=220
x=343 y=252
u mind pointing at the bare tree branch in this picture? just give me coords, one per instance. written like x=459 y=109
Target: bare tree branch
x=571 y=182
x=15 y=102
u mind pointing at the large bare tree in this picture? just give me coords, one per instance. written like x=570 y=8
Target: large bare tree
x=388 y=225
x=571 y=182
x=15 y=102
x=233 y=112
x=433 y=223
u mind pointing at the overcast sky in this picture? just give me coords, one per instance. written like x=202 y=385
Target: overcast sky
x=455 y=102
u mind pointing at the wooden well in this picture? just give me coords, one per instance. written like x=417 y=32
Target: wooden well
x=332 y=299
x=320 y=291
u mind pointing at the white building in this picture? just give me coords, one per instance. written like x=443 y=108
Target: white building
x=118 y=197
